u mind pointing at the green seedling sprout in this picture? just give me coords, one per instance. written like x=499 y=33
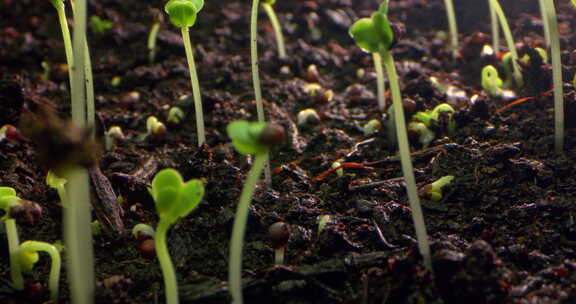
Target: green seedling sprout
x=59 y=184
x=550 y=15
x=425 y=135
x=308 y=117
x=28 y=256
x=248 y=138
x=183 y=14
x=427 y=117
x=100 y=26
x=143 y=230
x=338 y=166
x=174 y=199
x=153 y=37
x=453 y=25
x=155 y=128
x=61 y=10
x=8 y=200
x=375 y=34
x=113 y=135
x=495 y=25
x=269 y=9
x=491 y=82
x=517 y=74
x=175 y=115
x=433 y=191
x=144 y=234
x=371 y=127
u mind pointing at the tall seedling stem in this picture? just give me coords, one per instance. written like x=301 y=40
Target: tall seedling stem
x=277 y=29
x=453 y=25
x=377 y=59
x=495 y=28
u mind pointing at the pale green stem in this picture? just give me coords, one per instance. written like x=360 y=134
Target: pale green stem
x=170 y=282
x=78 y=238
x=195 y=87
x=556 y=76
x=239 y=228
x=256 y=75
x=277 y=29
x=495 y=28
x=510 y=41
x=60 y=9
x=90 y=105
x=13 y=244
x=453 y=26
x=60 y=188
x=379 y=80
x=152 y=37
x=407 y=169
x=545 y=22
x=51 y=250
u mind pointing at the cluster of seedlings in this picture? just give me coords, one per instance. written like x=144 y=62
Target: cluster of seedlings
x=175 y=199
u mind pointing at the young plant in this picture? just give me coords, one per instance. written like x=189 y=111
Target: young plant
x=61 y=11
x=28 y=256
x=155 y=129
x=269 y=9
x=112 y=136
x=495 y=28
x=8 y=201
x=249 y=139
x=99 y=26
x=375 y=34
x=174 y=199
x=153 y=36
x=549 y=13
x=491 y=81
x=453 y=25
x=59 y=184
x=425 y=135
x=433 y=191
x=517 y=74
x=183 y=14
x=279 y=234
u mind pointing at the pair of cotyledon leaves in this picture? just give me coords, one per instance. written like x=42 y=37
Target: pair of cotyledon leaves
x=374 y=34
x=174 y=198
x=183 y=13
x=246 y=137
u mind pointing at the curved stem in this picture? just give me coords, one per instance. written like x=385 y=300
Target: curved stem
x=13 y=245
x=495 y=28
x=277 y=29
x=256 y=74
x=195 y=87
x=556 y=75
x=510 y=41
x=379 y=80
x=90 y=105
x=407 y=169
x=453 y=26
x=54 y=268
x=237 y=240
x=152 y=37
x=545 y=21
x=170 y=282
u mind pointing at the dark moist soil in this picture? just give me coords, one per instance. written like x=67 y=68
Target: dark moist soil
x=504 y=231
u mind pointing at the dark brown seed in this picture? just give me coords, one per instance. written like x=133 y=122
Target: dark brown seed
x=147 y=248
x=278 y=234
x=272 y=135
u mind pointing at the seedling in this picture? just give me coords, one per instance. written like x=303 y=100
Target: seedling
x=549 y=13
x=183 y=14
x=249 y=138
x=153 y=36
x=144 y=234
x=9 y=200
x=155 y=128
x=517 y=74
x=453 y=25
x=373 y=126
x=312 y=74
x=269 y=9
x=376 y=35
x=61 y=10
x=28 y=256
x=279 y=234
x=338 y=166
x=308 y=117
x=99 y=26
x=176 y=115
x=112 y=136
x=425 y=135
x=433 y=191
x=174 y=199
x=491 y=81
x=59 y=184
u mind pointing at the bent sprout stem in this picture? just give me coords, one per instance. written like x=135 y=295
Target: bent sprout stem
x=407 y=169
x=277 y=29
x=510 y=41
x=379 y=80
x=453 y=26
x=60 y=9
x=256 y=75
x=152 y=37
x=13 y=244
x=54 y=277
x=195 y=86
x=495 y=28
x=556 y=75
x=170 y=282
x=545 y=21
x=235 y=259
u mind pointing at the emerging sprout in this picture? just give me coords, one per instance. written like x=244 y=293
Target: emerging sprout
x=312 y=89
x=100 y=26
x=113 y=135
x=59 y=184
x=28 y=256
x=373 y=126
x=9 y=200
x=249 y=138
x=376 y=35
x=312 y=74
x=182 y=14
x=279 y=234
x=173 y=199
x=144 y=234
x=428 y=118
x=308 y=117
x=267 y=5
x=425 y=135
x=153 y=36
x=176 y=115
x=491 y=82
x=433 y=191
x=155 y=128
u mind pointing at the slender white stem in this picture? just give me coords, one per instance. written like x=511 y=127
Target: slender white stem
x=453 y=25
x=277 y=29
x=379 y=80
x=545 y=22
x=510 y=41
x=152 y=37
x=495 y=29
x=60 y=9
x=170 y=282
x=13 y=244
x=195 y=87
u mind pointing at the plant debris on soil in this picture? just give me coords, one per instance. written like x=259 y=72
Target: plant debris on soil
x=504 y=231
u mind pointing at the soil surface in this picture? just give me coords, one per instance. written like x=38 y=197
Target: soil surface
x=503 y=232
